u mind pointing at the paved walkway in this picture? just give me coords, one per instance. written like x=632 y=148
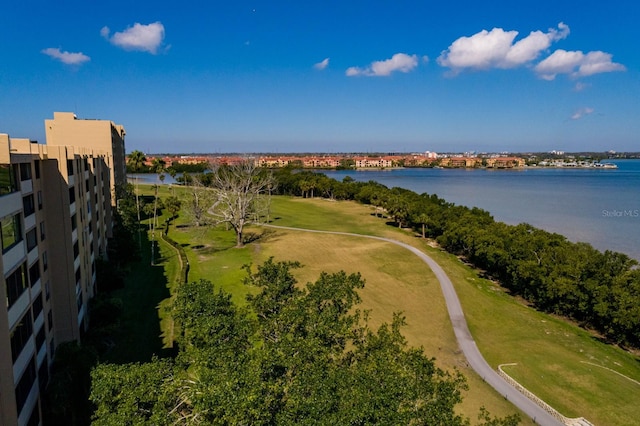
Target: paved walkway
x=465 y=340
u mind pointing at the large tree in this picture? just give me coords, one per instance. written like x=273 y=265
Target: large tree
x=242 y=193
x=292 y=355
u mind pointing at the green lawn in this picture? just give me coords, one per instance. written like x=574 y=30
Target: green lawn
x=555 y=359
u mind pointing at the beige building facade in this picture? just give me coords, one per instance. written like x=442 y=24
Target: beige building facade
x=56 y=206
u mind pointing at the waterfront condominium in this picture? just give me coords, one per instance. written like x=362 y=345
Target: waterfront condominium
x=56 y=205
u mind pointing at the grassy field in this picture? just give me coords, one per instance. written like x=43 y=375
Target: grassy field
x=564 y=365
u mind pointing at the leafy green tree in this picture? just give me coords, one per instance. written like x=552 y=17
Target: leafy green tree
x=422 y=219
x=134 y=394
x=173 y=205
x=294 y=355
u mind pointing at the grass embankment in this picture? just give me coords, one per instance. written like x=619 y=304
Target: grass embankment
x=551 y=354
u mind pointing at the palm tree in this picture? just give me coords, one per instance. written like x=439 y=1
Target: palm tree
x=422 y=219
x=136 y=161
x=157 y=166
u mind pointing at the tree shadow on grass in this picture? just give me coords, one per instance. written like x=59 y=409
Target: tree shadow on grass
x=139 y=336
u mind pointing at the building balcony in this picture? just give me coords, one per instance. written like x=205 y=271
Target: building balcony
x=39 y=322
x=17 y=310
x=30 y=404
x=11 y=203
x=23 y=359
x=14 y=256
x=36 y=288
x=26 y=186
x=32 y=256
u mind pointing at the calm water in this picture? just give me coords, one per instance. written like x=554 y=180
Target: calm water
x=598 y=206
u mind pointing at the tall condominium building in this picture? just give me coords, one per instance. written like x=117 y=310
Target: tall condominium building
x=56 y=202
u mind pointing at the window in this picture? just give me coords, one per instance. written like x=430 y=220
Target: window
x=20 y=335
x=69 y=167
x=36 y=166
x=32 y=239
x=45 y=261
x=25 y=171
x=8 y=181
x=42 y=235
x=25 y=384
x=28 y=205
x=76 y=250
x=74 y=222
x=37 y=306
x=43 y=379
x=34 y=273
x=10 y=232
x=72 y=195
x=40 y=338
x=78 y=276
x=86 y=185
x=47 y=291
x=50 y=324
x=39 y=200
x=16 y=284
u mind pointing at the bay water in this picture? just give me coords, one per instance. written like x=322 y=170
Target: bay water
x=598 y=206
x=594 y=205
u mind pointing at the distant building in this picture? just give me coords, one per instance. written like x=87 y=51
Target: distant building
x=460 y=162
x=56 y=205
x=505 y=162
x=374 y=162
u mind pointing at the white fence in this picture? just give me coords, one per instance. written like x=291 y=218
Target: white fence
x=580 y=421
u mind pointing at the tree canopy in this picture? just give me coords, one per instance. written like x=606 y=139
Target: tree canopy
x=293 y=355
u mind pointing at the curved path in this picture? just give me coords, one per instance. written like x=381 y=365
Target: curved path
x=465 y=340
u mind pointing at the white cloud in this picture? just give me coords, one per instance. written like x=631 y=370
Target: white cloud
x=69 y=58
x=399 y=62
x=496 y=49
x=598 y=62
x=581 y=113
x=577 y=64
x=322 y=64
x=146 y=38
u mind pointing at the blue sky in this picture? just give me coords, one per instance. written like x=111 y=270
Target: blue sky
x=330 y=76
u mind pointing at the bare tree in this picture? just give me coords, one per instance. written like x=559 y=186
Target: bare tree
x=197 y=200
x=242 y=193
